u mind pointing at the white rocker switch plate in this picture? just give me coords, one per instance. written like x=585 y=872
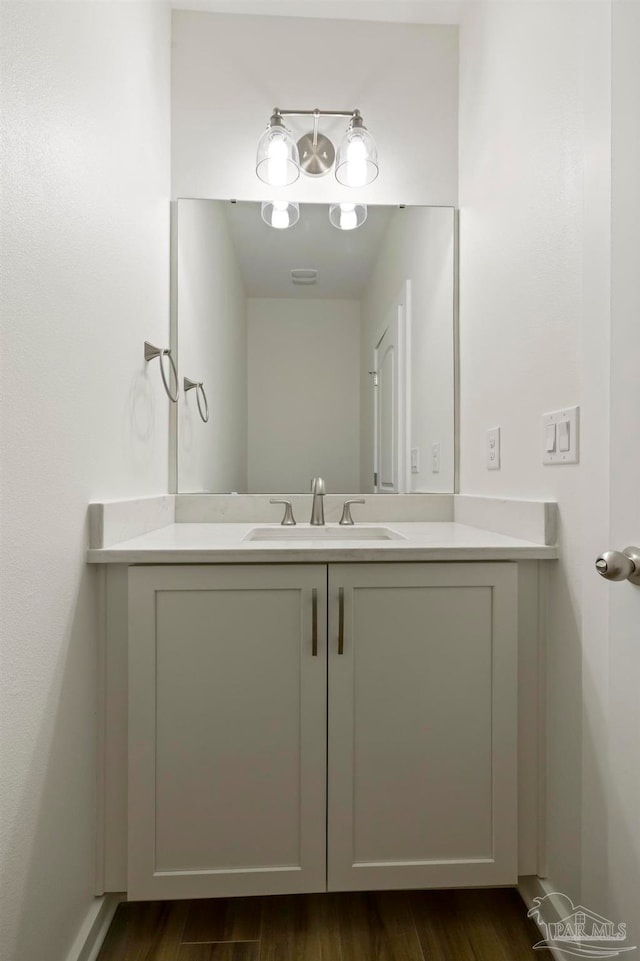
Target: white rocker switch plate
x=560 y=436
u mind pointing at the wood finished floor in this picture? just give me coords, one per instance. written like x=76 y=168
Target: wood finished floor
x=476 y=925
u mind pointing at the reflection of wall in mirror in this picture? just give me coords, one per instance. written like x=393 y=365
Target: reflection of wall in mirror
x=418 y=247
x=212 y=348
x=304 y=394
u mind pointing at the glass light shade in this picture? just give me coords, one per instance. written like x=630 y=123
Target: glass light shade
x=277 y=160
x=280 y=213
x=357 y=158
x=347 y=216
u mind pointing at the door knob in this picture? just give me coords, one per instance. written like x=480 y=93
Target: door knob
x=617 y=566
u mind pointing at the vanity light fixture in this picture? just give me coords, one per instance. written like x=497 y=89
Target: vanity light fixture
x=347 y=216
x=279 y=159
x=280 y=213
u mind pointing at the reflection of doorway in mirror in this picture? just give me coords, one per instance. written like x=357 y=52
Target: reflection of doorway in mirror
x=391 y=393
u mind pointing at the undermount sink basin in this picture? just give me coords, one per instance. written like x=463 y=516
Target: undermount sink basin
x=306 y=533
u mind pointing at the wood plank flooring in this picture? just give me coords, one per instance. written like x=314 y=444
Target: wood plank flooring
x=469 y=925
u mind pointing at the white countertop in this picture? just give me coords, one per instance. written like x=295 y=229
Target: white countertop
x=225 y=544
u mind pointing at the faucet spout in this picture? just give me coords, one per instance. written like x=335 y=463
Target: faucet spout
x=318 y=489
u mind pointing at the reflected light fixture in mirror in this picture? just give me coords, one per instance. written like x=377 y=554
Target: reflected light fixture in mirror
x=279 y=159
x=280 y=213
x=347 y=216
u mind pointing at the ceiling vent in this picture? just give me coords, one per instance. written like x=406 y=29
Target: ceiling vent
x=304 y=275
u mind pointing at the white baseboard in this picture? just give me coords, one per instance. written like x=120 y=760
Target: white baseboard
x=93 y=930
x=530 y=887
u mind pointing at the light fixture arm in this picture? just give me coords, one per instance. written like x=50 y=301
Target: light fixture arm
x=278 y=112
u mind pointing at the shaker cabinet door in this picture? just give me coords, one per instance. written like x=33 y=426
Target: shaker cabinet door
x=227 y=730
x=422 y=725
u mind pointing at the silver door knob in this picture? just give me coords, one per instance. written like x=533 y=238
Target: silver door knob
x=620 y=566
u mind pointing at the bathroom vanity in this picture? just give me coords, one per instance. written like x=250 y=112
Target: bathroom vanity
x=319 y=713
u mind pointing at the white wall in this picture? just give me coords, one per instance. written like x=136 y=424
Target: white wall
x=417 y=247
x=304 y=394
x=533 y=229
x=85 y=171
x=595 y=373
x=617 y=768
x=212 y=348
x=229 y=72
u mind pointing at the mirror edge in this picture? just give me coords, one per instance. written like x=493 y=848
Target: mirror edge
x=173 y=344
x=456 y=350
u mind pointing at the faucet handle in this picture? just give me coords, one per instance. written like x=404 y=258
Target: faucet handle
x=288 y=520
x=346 y=511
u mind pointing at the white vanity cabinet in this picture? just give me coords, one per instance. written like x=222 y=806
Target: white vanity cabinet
x=227 y=731
x=422 y=772
x=298 y=728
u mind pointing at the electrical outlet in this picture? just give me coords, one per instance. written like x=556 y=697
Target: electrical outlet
x=435 y=458
x=493 y=449
x=415 y=460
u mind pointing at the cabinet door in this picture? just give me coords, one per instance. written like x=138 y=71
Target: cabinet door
x=227 y=731
x=422 y=726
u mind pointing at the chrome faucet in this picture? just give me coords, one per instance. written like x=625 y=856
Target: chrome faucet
x=318 y=489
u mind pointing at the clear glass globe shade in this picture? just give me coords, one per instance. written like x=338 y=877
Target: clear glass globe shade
x=347 y=216
x=280 y=214
x=277 y=160
x=357 y=158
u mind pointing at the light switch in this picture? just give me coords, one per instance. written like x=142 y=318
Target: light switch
x=550 y=438
x=564 y=435
x=435 y=458
x=560 y=436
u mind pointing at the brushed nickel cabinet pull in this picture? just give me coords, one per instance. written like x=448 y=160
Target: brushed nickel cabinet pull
x=314 y=617
x=341 y=620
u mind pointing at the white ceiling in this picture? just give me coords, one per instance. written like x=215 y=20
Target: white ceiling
x=343 y=259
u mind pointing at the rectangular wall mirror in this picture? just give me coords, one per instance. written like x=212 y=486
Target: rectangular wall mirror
x=321 y=352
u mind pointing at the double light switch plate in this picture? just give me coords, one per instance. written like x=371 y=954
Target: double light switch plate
x=560 y=436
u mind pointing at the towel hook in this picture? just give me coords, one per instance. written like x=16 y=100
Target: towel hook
x=151 y=352
x=189 y=385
